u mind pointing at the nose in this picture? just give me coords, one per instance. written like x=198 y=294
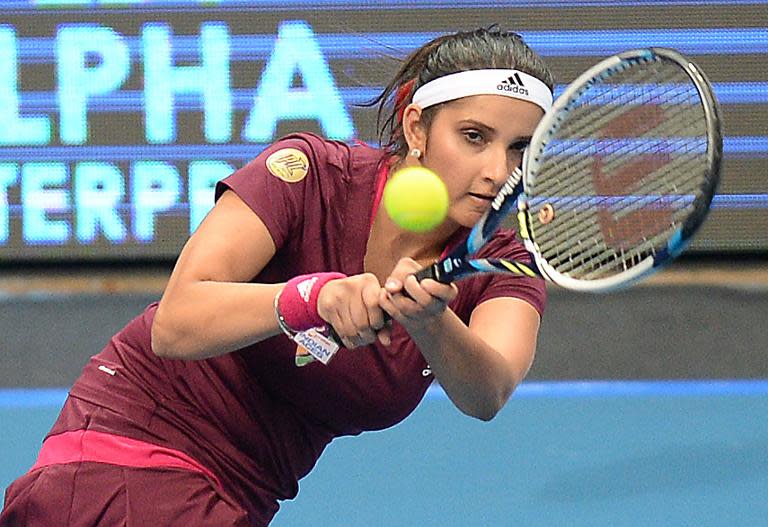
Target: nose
x=498 y=167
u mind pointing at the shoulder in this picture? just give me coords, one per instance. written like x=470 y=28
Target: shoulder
x=297 y=154
x=305 y=160
x=318 y=155
x=332 y=151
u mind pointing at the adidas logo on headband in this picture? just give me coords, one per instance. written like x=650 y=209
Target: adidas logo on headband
x=513 y=84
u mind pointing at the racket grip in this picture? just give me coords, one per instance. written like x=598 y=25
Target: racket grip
x=333 y=335
x=434 y=272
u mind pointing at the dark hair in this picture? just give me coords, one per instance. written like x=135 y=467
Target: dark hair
x=484 y=48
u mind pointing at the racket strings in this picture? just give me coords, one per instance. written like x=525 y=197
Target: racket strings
x=596 y=252
x=564 y=152
x=593 y=251
x=611 y=100
x=624 y=171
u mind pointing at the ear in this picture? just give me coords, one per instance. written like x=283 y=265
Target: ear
x=414 y=131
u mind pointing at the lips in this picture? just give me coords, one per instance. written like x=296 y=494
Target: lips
x=484 y=197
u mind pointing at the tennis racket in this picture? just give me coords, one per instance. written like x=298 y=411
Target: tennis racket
x=618 y=177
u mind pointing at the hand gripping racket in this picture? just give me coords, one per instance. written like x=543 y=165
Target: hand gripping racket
x=619 y=175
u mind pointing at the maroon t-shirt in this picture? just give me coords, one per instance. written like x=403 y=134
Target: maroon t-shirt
x=253 y=417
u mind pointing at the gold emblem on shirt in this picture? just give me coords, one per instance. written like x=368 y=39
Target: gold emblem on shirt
x=289 y=164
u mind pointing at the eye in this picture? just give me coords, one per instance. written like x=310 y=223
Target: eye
x=473 y=136
x=519 y=146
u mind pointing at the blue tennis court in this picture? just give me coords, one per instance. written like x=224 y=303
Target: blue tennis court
x=561 y=453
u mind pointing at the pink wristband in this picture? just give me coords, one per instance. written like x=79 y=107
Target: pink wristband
x=296 y=304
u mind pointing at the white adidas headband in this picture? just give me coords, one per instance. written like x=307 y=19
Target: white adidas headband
x=510 y=83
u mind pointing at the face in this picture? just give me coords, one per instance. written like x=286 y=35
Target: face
x=474 y=144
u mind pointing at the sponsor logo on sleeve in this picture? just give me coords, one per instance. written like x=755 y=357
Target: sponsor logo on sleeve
x=289 y=164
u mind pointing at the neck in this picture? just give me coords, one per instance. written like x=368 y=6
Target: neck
x=387 y=235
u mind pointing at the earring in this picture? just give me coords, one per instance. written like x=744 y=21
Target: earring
x=416 y=153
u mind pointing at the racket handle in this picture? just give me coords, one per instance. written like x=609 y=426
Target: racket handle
x=333 y=335
x=434 y=272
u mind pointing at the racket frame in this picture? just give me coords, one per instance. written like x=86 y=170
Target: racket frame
x=551 y=123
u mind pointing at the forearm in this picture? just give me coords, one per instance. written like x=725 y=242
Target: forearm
x=207 y=318
x=477 y=378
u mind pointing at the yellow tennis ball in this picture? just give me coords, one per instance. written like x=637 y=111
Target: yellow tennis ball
x=416 y=199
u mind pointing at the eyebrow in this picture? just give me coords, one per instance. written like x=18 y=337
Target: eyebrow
x=478 y=124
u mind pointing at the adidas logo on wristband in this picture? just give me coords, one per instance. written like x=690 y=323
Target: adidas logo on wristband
x=305 y=288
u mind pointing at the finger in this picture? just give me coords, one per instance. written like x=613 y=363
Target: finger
x=351 y=343
x=403 y=306
x=385 y=336
x=393 y=285
x=327 y=305
x=361 y=325
x=348 y=341
x=371 y=302
x=366 y=314
x=341 y=319
x=345 y=341
x=387 y=304
x=445 y=292
x=356 y=326
x=354 y=340
x=404 y=268
x=414 y=289
x=333 y=318
x=357 y=329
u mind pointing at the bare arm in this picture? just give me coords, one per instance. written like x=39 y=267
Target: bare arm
x=208 y=308
x=479 y=365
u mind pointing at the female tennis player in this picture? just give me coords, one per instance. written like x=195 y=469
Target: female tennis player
x=200 y=411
